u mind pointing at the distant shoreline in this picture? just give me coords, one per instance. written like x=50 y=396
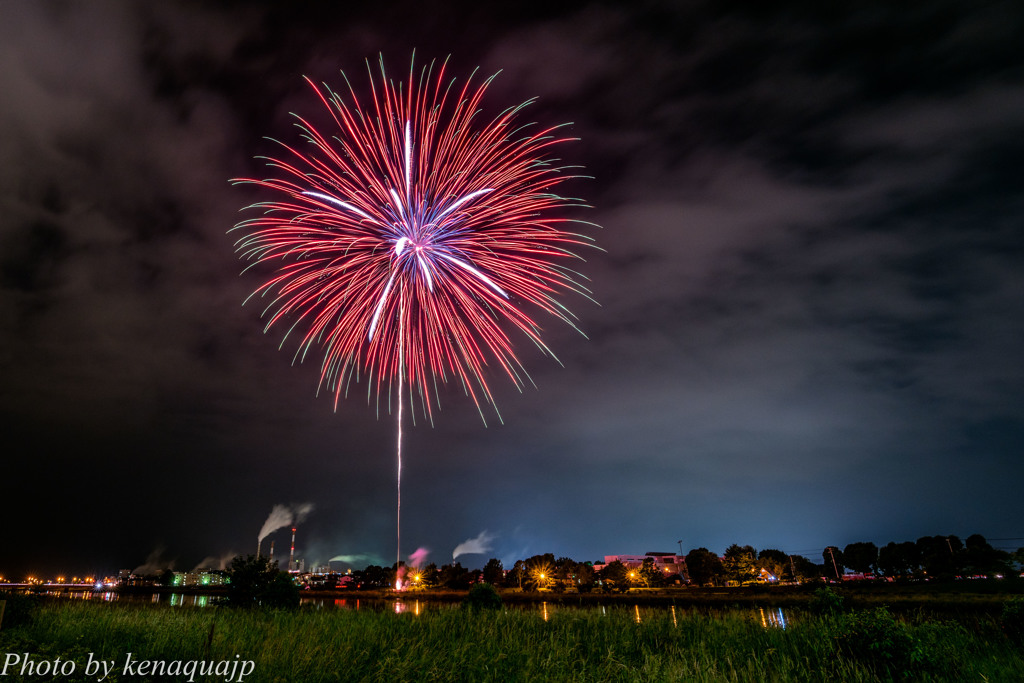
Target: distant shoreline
x=957 y=595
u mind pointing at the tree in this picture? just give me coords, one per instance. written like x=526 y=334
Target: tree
x=167 y=577
x=740 y=563
x=861 y=557
x=981 y=559
x=584 y=577
x=898 y=560
x=705 y=568
x=255 y=581
x=773 y=561
x=649 y=574
x=804 y=569
x=375 y=576
x=494 y=572
x=455 y=576
x=615 y=576
x=833 y=559
x=564 y=572
x=482 y=596
x=517 y=574
x=939 y=555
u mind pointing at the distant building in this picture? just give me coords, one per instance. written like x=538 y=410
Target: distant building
x=666 y=563
x=201 y=577
x=125 y=577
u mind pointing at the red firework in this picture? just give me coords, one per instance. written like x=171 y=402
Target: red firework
x=410 y=240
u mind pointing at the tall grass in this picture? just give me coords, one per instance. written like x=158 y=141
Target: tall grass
x=319 y=646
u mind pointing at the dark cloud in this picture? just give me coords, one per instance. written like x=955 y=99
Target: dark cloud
x=810 y=289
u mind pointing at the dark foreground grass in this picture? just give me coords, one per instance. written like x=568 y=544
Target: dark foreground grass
x=450 y=644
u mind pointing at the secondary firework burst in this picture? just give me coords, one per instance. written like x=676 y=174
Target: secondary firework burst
x=412 y=239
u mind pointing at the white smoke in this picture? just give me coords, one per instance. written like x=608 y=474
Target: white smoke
x=155 y=563
x=474 y=546
x=285 y=515
x=215 y=562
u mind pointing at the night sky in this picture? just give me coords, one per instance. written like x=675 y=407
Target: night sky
x=811 y=294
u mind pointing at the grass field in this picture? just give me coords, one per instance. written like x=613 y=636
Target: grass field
x=453 y=644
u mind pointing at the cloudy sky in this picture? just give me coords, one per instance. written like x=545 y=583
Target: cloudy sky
x=811 y=290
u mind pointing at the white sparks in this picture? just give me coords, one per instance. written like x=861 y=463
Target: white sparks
x=380 y=306
x=338 y=202
x=483 y=278
x=462 y=201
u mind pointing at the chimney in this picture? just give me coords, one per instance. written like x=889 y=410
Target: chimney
x=291 y=558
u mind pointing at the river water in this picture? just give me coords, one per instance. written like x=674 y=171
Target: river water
x=774 y=617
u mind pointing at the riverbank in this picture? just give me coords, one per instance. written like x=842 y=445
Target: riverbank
x=965 y=596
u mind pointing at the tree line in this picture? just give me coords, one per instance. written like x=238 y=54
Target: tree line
x=929 y=556
x=932 y=557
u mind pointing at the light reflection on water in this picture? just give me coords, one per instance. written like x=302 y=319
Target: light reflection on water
x=773 y=617
x=181 y=600
x=99 y=596
x=174 y=599
x=768 y=617
x=413 y=607
x=403 y=607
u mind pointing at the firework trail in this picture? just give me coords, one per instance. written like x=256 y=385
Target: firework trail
x=411 y=239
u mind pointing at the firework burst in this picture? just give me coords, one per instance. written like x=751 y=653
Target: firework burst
x=411 y=240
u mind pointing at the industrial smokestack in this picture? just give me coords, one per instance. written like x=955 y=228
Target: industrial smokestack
x=259 y=541
x=291 y=557
x=271 y=551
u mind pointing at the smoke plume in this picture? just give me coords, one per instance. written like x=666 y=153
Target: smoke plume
x=215 y=562
x=353 y=559
x=419 y=557
x=474 y=546
x=285 y=515
x=155 y=563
